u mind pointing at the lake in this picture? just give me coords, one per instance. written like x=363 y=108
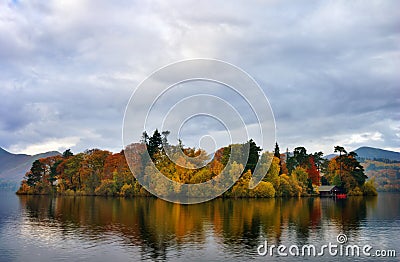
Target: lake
x=42 y=228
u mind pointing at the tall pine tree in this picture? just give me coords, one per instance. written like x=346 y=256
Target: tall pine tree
x=155 y=143
x=278 y=155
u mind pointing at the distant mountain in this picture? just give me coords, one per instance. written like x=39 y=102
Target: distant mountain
x=330 y=156
x=372 y=153
x=14 y=166
x=376 y=153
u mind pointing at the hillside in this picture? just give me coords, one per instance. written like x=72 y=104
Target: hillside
x=386 y=175
x=377 y=153
x=14 y=166
x=330 y=156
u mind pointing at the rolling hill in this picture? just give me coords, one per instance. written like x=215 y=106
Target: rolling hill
x=14 y=166
x=372 y=153
x=377 y=153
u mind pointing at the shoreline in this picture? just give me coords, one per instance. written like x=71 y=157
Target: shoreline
x=223 y=197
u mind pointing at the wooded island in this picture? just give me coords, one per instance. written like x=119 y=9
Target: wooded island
x=100 y=172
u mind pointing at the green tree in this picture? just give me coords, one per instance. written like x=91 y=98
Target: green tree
x=300 y=174
x=277 y=154
x=35 y=174
x=324 y=181
x=53 y=171
x=318 y=160
x=276 y=151
x=354 y=167
x=299 y=158
x=155 y=144
x=310 y=188
x=70 y=172
x=337 y=181
x=254 y=155
x=67 y=153
x=340 y=149
x=145 y=138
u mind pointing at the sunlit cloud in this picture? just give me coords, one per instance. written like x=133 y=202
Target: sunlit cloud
x=46 y=146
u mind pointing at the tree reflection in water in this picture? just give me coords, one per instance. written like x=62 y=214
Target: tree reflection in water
x=156 y=226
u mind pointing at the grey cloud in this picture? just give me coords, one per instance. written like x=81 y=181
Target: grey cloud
x=329 y=68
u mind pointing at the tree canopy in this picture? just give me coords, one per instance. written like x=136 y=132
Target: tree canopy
x=100 y=172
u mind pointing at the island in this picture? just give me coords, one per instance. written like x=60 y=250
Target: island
x=103 y=173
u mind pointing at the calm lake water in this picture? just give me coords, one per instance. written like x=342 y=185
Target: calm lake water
x=40 y=228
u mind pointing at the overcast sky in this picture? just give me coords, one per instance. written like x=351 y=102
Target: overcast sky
x=330 y=69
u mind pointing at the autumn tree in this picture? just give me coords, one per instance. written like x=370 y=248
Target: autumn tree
x=264 y=189
x=49 y=165
x=116 y=169
x=241 y=186
x=313 y=172
x=341 y=150
x=346 y=172
x=288 y=186
x=300 y=175
x=272 y=174
x=92 y=169
x=69 y=172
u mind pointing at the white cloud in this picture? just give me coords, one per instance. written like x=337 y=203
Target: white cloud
x=363 y=138
x=48 y=145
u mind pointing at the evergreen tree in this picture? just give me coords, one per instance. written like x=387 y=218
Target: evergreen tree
x=155 y=143
x=145 y=138
x=310 y=188
x=277 y=154
x=53 y=171
x=318 y=160
x=276 y=151
x=67 y=153
x=324 y=181
x=254 y=154
x=301 y=157
x=35 y=174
